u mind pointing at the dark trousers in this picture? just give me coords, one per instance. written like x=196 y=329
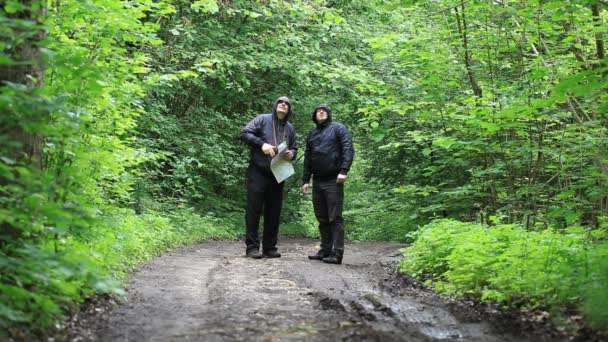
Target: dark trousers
x=328 y=200
x=263 y=193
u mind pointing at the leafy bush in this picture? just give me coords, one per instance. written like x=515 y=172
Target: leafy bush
x=513 y=266
x=595 y=296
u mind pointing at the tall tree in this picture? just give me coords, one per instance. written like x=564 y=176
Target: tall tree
x=20 y=75
x=24 y=67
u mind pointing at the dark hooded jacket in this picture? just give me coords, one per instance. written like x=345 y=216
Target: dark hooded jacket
x=261 y=130
x=329 y=149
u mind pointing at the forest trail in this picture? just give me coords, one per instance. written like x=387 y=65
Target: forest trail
x=211 y=292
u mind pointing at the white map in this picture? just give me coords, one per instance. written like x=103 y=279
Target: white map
x=281 y=167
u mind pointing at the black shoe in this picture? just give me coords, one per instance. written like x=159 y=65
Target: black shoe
x=272 y=254
x=333 y=259
x=319 y=256
x=254 y=253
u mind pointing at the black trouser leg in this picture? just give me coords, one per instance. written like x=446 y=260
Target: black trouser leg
x=255 y=202
x=328 y=200
x=263 y=192
x=273 y=201
x=335 y=203
x=320 y=206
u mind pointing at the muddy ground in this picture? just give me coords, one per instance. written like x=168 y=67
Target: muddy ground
x=211 y=292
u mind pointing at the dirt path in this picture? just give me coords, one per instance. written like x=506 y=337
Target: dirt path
x=211 y=292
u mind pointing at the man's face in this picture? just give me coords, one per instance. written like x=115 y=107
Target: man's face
x=282 y=109
x=321 y=115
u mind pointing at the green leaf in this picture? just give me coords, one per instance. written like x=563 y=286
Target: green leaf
x=13 y=7
x=4 y=59
x=205 y=6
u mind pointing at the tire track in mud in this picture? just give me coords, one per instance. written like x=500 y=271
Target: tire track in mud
x=211 y=292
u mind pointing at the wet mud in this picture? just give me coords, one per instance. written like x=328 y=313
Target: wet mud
x=212 y=292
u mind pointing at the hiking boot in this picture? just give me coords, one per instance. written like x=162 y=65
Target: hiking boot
x=272 y=254
x=333 y=259
x=319 y=256
x=254 y=253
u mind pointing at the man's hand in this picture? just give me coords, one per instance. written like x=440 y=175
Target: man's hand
x=305 y=188
x=288 y=155
x=268 y=149
x=341 y=178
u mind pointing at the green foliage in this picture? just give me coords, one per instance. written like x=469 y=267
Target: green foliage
x=374 y=211
x=300 y=220
x=594 y=293
x=38 y=283
x=512 y=266
x=68 y=159
x=529 y=146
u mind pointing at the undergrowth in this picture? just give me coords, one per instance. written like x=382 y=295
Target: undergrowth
x=515 y=267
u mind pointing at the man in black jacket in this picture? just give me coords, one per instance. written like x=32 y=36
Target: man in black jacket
x=263 y=134
x=329 y=154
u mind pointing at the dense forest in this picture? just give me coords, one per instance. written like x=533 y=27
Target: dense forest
x=480 y=129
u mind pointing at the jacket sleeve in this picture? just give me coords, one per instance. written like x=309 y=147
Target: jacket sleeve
x=293 y=146
x=307 y=171
x=250 y=133
x=348 y=150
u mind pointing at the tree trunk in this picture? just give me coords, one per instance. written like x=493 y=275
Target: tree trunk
x=599 y=37
x=468 y=59
x=28 y=70
x=22 y=145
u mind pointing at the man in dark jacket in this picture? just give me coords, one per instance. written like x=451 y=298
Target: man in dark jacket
x=329 y=154
x=263 y=134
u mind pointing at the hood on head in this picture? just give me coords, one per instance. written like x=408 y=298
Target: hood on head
x=276 y=102
x=324 y=106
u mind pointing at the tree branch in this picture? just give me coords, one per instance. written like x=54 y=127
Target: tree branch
x=462 y=29
x=450 y=8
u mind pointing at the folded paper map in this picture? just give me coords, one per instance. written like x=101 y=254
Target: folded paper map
x=281 y=167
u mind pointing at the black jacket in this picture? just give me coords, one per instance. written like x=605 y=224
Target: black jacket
x=329 y=149
x=260 y=130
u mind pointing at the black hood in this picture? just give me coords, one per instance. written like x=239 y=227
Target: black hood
x=276 y=102
x=327 y=108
